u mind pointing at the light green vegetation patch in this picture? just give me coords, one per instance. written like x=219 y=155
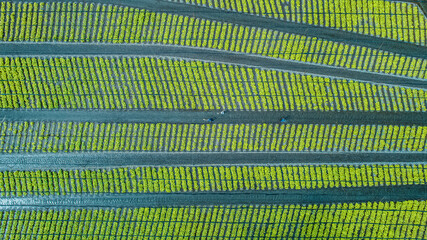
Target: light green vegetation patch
x=207 y=178
x=90 y=136
x=397 y=20
x=163 y=83
x=90 y=22
x=390 y=220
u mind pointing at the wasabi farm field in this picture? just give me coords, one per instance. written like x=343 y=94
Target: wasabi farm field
x=213 y=119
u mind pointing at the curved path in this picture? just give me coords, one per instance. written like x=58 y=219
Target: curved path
x=96 y=160
x=421 y=3
x=305 y=196
x=203 y=54
x=270 y=23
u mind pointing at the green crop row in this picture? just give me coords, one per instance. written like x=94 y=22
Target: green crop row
x=395 y=20
x=371 y=220
x=208 y=178
x=156 y=83
x=90 y=22
x=89 y=136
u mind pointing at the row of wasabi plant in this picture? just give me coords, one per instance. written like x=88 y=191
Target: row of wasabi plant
x=397 y=20
x=373 y=220
x=90 y=22
x=207 y=178
x=24 y=136
x=165 y=83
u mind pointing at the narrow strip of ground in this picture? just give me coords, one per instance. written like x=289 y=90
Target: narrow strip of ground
x=270 y=23
x=306 y=196
x=223 y=117
x=56 y=161
x=203 y=54
x=421 y=3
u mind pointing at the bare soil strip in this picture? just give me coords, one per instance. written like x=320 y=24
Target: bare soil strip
x=212 y=117
x=56 y=161
x=305 y=196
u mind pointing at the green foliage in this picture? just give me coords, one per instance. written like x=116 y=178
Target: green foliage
x=27 y=136
x=395 y=20
x=377 y=220
x=90 y=22
x=162 y=83
x=207 y=178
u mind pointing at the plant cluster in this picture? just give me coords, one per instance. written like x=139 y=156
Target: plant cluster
x=376 y=220
x=206 y=178
x=26 y=136
x=166 y=83
x=90 y=22
x=395 y=20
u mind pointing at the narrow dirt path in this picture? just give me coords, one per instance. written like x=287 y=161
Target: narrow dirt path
x=302 y=196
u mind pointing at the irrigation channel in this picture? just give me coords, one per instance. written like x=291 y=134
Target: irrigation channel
x=306 y=196
x=204 y=54
x=270 y=23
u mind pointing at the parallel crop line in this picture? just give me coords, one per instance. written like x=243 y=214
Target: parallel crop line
x=169 y=83
x=402 y=21
x=205 y=54
x=89 y=23
x=319 y=221
x=261 y=22
x=57 y=136
x=169 y=179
